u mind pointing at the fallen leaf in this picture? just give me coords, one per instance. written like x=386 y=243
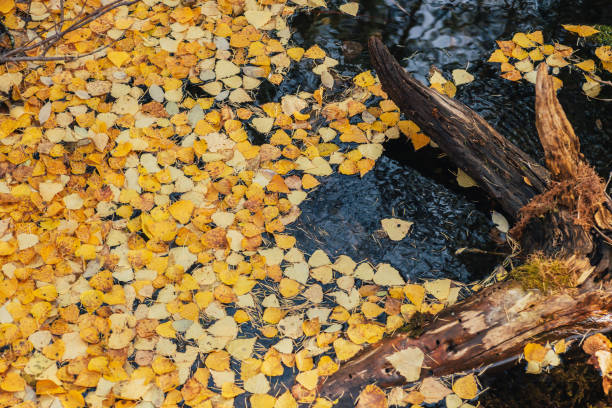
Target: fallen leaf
x=395 y=228
x=350 y=8
x=466 y=387
x=461 y=77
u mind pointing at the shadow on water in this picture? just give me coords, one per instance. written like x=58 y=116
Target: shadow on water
x=343 y=215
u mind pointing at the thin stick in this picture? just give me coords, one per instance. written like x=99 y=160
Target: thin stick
x=17 y=54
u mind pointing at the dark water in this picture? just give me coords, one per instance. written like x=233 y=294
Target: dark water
x=343 y=215
x=449 y=35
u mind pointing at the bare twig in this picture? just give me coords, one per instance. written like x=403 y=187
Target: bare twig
x=400 y=7
x=601 y=81
x=41 y=58
x=19 y=54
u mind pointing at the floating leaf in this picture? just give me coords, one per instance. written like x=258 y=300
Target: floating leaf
x=395 y=228
x=461 y=77
x=581 y=30
x=350 y=8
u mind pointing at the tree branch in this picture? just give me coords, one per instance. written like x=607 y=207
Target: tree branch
x=18 y=54
x=505 y=172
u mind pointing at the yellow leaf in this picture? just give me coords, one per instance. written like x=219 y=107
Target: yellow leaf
x=408 y=127
x=47 y=292
x=72 y=399
x=314 y=52
x=272 y=315
x=166 y=330
x=372 y=397
x=308 y=379
x=556 y=60
x=181 y=211
x=419 y=140
x=560 y=346
x=295 y=53
x=581 y=30
x=309 y=181
x=162 y=365
x=286 y=400
x=536 y=36
x=364 y=79
x=415 y=293
x=92 y=299
x=262 y=401
x=258 y=18
x=6 y=6
x=464 y=180
x=519 y=53
x=86 y=251
x=498 y=56
x=12 y=382
x=534 y=352
x=345 y=349
x=371 y=310
x=449 y=89
x=118 y=57
x=327 y=366
x=395 y=228
x=536 y=55
x=284 y=241
x=230 y=390
x=461 y=76
x=514 y=75
x=218 y=360
x=289 y=288
x=350 y=8
x=466 y=387
x=587 y=65
x=604 y=53
x=522 y=40
x=241 y=316
x=98 y=364
x=547 y=49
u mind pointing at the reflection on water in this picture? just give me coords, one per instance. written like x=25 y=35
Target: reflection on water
x=460 y=34
x=347 y=212
x=449 y=35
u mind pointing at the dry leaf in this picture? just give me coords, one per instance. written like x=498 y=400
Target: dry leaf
x=351 y=8
x=395 y=228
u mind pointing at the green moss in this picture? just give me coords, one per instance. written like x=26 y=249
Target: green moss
x=605 y=34
x=415 y=326
x=545 y=274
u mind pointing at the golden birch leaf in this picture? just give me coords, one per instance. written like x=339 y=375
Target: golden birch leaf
x=395 y=228
x=466 y=387
x=350 y=8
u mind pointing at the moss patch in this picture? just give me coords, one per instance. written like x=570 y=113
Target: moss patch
x=605 y=34
x=545 y=274
x=415 y=326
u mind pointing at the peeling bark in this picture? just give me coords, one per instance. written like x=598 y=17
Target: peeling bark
x=564 y=214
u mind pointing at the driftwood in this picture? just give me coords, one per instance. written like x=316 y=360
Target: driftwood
x=563 y=215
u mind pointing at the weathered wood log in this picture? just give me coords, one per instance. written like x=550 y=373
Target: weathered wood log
x=497 y=165
x=562 y=218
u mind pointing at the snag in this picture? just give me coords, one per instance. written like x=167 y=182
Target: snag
x=563 y=219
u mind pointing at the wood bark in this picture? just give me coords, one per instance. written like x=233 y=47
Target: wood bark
x=504 y=171
x=563 y=214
